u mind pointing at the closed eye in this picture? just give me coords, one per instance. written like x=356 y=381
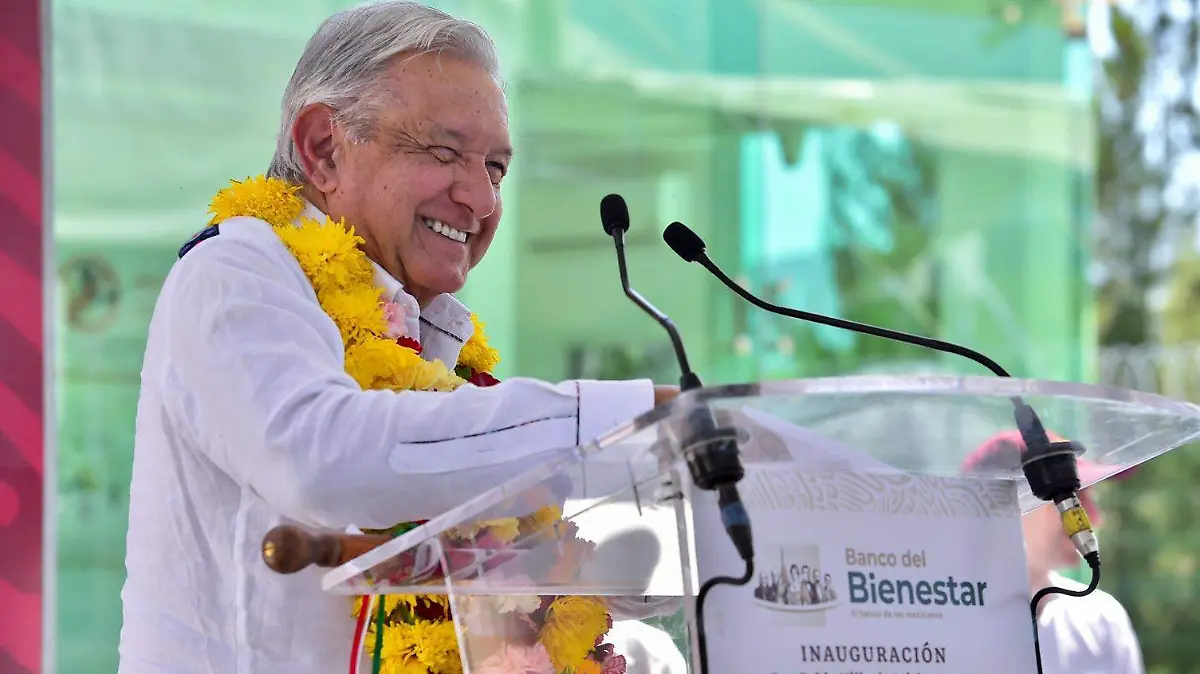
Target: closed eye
x=445 y=154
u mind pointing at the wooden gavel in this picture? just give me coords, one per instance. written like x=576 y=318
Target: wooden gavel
x=288 y=549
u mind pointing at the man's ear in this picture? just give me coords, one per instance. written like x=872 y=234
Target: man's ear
x=313 y=136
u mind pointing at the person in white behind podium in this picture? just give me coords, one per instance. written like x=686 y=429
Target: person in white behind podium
x=1077 y=634
x=307 y=362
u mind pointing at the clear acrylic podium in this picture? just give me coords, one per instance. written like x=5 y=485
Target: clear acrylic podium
x=627 y=502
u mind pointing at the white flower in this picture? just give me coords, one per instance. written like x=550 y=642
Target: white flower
x=520 y=603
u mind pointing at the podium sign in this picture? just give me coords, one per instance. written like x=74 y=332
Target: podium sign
x=862 y=566
x=869 y=572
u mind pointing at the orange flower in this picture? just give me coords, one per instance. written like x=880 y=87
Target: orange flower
x=589 y=666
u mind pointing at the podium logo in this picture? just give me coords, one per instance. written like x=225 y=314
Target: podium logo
x=799 y=585
x=900 y=585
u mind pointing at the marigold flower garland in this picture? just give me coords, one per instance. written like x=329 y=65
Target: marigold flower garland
x=418 y=633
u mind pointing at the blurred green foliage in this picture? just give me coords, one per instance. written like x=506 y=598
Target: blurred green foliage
x=1150 y=537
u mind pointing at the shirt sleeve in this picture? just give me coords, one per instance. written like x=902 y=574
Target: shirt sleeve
x=254 y=378
x=1126 y=651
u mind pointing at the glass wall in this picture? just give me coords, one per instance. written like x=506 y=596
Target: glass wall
x=918 y=163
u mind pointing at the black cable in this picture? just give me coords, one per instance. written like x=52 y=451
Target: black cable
x=701 y=639
x=1093 y=561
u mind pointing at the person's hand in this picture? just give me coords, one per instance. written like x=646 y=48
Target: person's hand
x=664 y=394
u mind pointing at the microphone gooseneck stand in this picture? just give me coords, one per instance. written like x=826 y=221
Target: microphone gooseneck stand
x=711 y=453
x=1049 y=467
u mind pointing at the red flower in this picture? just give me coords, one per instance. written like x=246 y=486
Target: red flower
x=483 y=379
x=409 y=343
x=615 y=665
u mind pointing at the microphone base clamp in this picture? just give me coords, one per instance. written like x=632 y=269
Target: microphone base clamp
x=713 y=458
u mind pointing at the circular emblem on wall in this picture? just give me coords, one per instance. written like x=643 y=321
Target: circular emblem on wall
x=92 y=291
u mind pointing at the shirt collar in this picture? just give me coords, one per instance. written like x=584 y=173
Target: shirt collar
x=444 y=313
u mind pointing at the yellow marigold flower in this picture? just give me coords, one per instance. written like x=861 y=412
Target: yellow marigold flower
x=393 y=601
x=572 y=626
x=329 y=254
x=542 y=520
x=432 y=375
x=476 y=354
x=397 y=642
x=435 y=644
x=505 y=530
x=358 y=313
x=373 y=362
x=380 y=363
x=268 y=199
x=358 y=606
x=402 y=666
x=445 y=381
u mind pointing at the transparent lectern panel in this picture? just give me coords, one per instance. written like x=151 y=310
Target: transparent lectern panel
x=937 y=425
x=606 y=518
x=587 y=522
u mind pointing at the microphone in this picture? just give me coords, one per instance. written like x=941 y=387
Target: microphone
x=1050 y=467
x=614 y=216
x=689 y=246
x=710 y=451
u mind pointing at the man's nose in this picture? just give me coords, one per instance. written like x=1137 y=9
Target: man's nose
x=474 y=189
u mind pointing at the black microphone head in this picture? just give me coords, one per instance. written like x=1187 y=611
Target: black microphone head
x=614 y=214
x=686 y=243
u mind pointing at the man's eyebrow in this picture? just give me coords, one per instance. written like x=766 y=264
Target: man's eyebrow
x=443 y=132
x=461 y=138
x=402 y=136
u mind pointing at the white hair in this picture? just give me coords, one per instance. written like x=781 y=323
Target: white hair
x=350 y=52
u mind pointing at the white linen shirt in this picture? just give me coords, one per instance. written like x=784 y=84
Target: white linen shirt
x=247 y=419
x=1086 y=635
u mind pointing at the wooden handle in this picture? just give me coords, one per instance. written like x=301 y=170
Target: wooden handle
x=288 y=549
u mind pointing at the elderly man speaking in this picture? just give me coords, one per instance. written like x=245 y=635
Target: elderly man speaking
x=308 y=363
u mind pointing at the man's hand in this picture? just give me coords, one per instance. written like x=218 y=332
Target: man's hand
x=664 y=394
